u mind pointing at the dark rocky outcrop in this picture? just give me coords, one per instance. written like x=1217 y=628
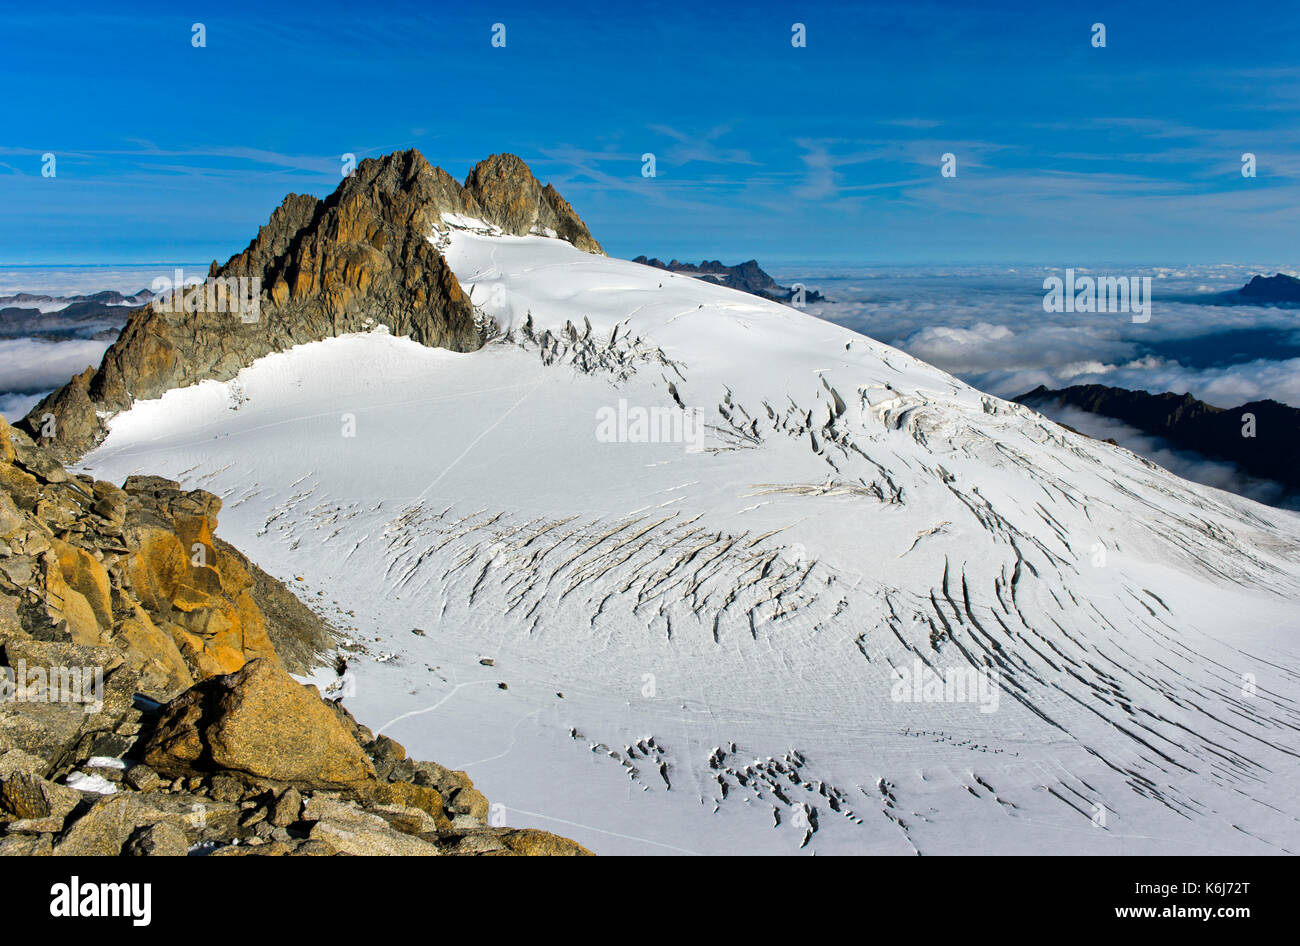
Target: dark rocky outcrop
x=358 y=259
x=1279 y=288
x=1190 y=424
x=145 y=707
x=747 y=277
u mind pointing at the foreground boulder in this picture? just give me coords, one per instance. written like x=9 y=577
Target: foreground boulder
x=261 y=723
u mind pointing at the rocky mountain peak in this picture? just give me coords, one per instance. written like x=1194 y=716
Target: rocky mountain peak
x=507 y=194
x=1276 y=288
x=358 y=259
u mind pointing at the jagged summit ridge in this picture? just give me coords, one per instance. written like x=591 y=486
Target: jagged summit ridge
x=500 y=190
x=503 y=191
x=356 y=260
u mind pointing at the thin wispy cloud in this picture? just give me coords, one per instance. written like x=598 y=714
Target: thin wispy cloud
x=702 y=147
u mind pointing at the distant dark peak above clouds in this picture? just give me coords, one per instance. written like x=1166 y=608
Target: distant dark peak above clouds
x=1277 y=288
x=107 y=297
x=1265 y=444
x=1139 y=408
x=747 y=277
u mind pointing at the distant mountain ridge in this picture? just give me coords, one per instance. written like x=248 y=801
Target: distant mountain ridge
x=1280 y=289
x=747 y=277
x=98 y=315
x=1186 y=422
x=1277 y=288
x=106 y=297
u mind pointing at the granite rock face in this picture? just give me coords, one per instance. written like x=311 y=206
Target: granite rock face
x=503 y=192
x=359 y=259
x=175 y=726
x=132 y=574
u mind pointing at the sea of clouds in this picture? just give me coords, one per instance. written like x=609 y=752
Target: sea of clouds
x=31 y=367
x=986 y=325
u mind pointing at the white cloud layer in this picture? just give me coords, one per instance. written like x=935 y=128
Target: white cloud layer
x=986 y=325
x=28 y=366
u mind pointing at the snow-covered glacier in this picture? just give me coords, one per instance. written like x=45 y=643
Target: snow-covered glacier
x=861 y=608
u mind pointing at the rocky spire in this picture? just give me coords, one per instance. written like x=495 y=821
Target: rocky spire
x=318 y=268
x=502 y=191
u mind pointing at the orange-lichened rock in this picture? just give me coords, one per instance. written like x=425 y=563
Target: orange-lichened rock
x=260 y=722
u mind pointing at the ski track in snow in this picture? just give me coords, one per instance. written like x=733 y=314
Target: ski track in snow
x=697 y=647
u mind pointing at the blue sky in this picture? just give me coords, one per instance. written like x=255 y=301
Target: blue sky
x=1066 y=154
